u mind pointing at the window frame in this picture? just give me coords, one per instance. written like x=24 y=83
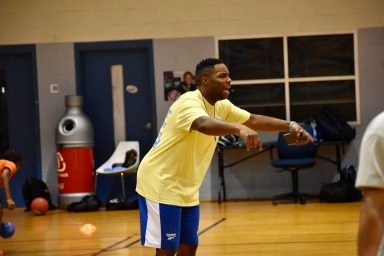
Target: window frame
x=287 y=80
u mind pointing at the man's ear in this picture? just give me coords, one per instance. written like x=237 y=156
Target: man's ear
x=204 y=79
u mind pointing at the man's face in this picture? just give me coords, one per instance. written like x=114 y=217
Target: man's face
x=219 y=82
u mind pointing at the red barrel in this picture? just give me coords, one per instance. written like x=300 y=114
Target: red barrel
x=74 y=140
x=75 y=170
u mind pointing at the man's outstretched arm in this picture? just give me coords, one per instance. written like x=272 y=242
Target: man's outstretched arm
x=216 y=127
x=270 y=124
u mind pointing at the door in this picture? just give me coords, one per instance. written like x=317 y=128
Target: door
x=19 y=113
x=97 y=65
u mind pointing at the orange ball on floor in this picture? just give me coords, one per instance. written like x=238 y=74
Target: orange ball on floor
x=39 y=206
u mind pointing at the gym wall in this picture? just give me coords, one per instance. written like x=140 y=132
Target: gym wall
x=46 y=21
x=184 y=33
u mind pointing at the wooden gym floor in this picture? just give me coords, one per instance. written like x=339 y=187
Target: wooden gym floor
x=232 y=228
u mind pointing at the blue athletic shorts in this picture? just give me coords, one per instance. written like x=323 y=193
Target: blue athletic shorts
x=166 y=226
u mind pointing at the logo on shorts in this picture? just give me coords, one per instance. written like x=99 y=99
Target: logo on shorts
x=171 y=236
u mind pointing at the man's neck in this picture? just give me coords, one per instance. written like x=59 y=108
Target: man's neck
x=206 y=96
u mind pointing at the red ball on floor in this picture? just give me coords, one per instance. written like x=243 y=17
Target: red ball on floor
x=39 y=206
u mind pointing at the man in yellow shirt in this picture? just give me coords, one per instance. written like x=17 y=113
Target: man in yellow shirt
x=170 y=175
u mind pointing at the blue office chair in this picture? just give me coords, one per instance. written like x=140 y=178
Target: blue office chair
x=293 y=159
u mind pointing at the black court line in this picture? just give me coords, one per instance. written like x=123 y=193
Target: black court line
x=212 y=226
x=130 y=244
x=200 y=233
x=109 y=247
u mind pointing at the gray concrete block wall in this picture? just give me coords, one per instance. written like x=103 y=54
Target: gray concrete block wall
x=254 y=178
x=47 y=21
x=371 y=77
x=257 y=179
x=55 y=65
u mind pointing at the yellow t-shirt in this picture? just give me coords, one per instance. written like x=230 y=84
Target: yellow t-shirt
x=173 y=170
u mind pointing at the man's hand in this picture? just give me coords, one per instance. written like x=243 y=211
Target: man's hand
x=303 y=137
x=11 y=204
x=216 y=127
x=251 y=138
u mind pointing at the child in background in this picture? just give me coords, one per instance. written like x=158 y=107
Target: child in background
x=9 y=164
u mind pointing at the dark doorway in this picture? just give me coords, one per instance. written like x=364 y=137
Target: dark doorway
x=4 y=136
x=94 y=64
x=19 y=112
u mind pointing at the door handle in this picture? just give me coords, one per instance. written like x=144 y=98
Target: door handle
x=148 y=126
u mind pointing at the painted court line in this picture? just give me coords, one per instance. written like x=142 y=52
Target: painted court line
x=130 y=244
x=200 y=233
x=212 y=226
x=109 y=247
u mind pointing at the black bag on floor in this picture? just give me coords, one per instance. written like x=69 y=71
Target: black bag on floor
x=115 y=204
x=343 y=190
x=88 y=203
x=33 y=188
x=116 y=199
x=332 y=126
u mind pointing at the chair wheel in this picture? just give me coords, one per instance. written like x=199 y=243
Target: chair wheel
x=274 y=202
x=302 y=200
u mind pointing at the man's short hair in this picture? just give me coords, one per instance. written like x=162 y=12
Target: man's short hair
x=205 y=66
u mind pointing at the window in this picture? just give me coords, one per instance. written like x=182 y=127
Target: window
x=269 y=98
x=249 y=59
x=293 y=77
x=317 y=56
